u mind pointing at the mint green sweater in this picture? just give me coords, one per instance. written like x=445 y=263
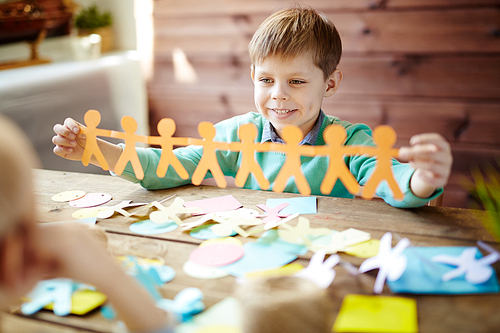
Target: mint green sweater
x=314 y=168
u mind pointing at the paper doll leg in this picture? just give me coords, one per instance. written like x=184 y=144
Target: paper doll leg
x=241 y=176
x=394 y=186
x=136 y=164
x=302 y=183
x=101 y=159
x=220 y=180
x=328 y=182
x=261 y=179
x=120 y=165
x=349 y=182
x=199 y=173
x=370 y=187
x=179 y=168
x=280 y=181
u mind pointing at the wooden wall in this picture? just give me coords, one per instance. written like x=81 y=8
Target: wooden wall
x=417 y=65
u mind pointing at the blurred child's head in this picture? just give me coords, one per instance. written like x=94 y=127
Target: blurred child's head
x=294 y=54
x=285 y=304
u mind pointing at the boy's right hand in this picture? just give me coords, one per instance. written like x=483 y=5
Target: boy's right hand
x=69 y=141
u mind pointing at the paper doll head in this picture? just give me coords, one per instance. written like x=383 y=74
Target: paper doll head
x=384 y=136
x=247 y=132
x=334 y=135
x=92 y=118
x=292 y=135
x=206 y=130
x=129 y=124
x=166 y=127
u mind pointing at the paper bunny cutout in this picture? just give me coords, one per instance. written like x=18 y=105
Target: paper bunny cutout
x=319 y=271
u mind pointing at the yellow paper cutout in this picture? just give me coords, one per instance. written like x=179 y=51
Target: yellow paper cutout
x=129 y=153
x=171 y=212
x=341 y=240
x=247 y=134
x=362 y=313
x=166 y=129
x=88 y=212
x=292 y=135
x=334 y=136
x=225 y=240
x=384 y=137
x=286 y=270
x=83 y=301
x=208 y=161
x=92 y=119
x=366 y=249
x=68 y=196
x=299 y=233
x=233 y=222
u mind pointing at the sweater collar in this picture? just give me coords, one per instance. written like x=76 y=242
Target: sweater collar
x=269 y=132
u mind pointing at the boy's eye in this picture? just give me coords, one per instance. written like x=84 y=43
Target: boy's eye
x=296 y=82
x=265 y=80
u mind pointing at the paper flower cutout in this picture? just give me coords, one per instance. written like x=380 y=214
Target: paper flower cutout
x=299 y=233
x=185 y=305
x=170 y=213
x=319 y=271
x=119 y=208
x=476 y=270
x=272 y=214
x=391 y=262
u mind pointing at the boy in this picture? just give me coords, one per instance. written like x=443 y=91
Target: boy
x=29 y=252
x=294 y=56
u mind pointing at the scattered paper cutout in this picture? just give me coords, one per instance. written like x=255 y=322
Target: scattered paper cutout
x=299 y=205
x=214 y=205
x=421 y=278
x=271 y=238
x=220 y=329
x=91 y=200
x=118 y=208
x=292 y=135
x=203 y=272
x=272 y=213
x=287 y=270
x=391 y=262
x=87 y=212
x=84 y=301
x=366 y=249
x=362 y=313
x=201 y=221
x=299 y=233
x=340 y=241
x=154 y=203
x=166 y=129
x=334 y=137
x=249 y=165
x=208 y=161
x=384 y=137
x=92 y=119
x=320 y=272
x=233 y=222
x=170 y=213
x=225 y=240
x=274 y=224
x=205 y=232
x=68 y=196
x=476 y=271
x=185 y=304
x=148 y=227
x=217 y=255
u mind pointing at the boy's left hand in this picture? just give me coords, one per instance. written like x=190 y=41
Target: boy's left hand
x=430 y=155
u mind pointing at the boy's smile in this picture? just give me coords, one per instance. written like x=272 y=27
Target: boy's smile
x=290 y=91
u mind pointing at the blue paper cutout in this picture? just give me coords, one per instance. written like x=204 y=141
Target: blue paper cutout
x=148 y=227
x=205 y=232
x=422 y=278
x=185 y=304
x=271 y=237
x=300 y=205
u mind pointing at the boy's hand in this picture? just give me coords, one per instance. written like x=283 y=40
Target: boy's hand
x=69 y=141
x=430 y=155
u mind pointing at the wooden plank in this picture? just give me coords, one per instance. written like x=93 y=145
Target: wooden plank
x=13 y=323
x=471 y=30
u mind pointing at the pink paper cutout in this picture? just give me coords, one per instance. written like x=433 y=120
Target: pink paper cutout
x=213 y=205
x=91 y=200
x=272 y=214
x=217 y=255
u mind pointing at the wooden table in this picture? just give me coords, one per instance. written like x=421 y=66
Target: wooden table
x=426 y=226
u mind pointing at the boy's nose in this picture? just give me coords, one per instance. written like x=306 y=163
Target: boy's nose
x=280 y=93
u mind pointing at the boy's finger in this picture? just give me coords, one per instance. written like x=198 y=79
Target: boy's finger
x=62 y=141
x=64 y=131
x=72 y=125
x=424 y=151
x=430 y=138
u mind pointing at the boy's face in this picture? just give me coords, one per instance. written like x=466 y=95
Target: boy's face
x=290 y=91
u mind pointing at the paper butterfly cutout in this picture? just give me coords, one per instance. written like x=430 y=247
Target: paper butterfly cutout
x=391 y=262
x=476 y=270
x=119 y=208
x=185 y=304
x=342 y=240
x=299 y=233
x=318 y=271
x=170 y=213
x=272 y=214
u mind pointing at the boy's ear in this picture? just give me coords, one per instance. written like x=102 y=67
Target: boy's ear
x=332 y=83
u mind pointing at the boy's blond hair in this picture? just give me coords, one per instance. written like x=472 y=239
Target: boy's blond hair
x=290 y=32
x=285 y=304
x=17 y=158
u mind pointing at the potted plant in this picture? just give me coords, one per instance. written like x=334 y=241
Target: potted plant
x=91 y=20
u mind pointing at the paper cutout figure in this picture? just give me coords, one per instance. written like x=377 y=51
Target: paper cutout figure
x=334 y=136
x=318 y=271
x=487 y=248
x=300 y=205
x=247 y=147
x=129 y=153
x=362 y=313
x=475 y=270
x=232 y=223
x=185 y=304
x=342 y=240
x=214 y=205
x=205 y=232
x=171 y=212
x=83 y=301
x=208 y=161
x=151 y=204
x=166 y=129
x=87 y=212
x=366 y=249
x=274 y=224
x=299 y=233
x=68 y=196
x=272 y=214
x=292 y=135
x=391 y=262
x=271 y=238
x=420 y=278
x=91 y=200
x=118 y=208
x=385 y=138
x=92 y=119
x=203 y=272
x=216 y=255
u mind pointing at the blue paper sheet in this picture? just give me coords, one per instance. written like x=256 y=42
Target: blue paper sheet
x=424 y=276
x=301 y=205
x=148 y=227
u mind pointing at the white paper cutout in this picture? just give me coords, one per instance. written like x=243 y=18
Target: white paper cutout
x=152 y=204
x=476 y=270
x=202 y=220
x=487 y=248
x=391 y=262
x=232 y=222
x=244 y=213
x=119 y=208
x=318 y=271
x=170 y=213
x=274 y=224
x=299 y=233
x=342 y=240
